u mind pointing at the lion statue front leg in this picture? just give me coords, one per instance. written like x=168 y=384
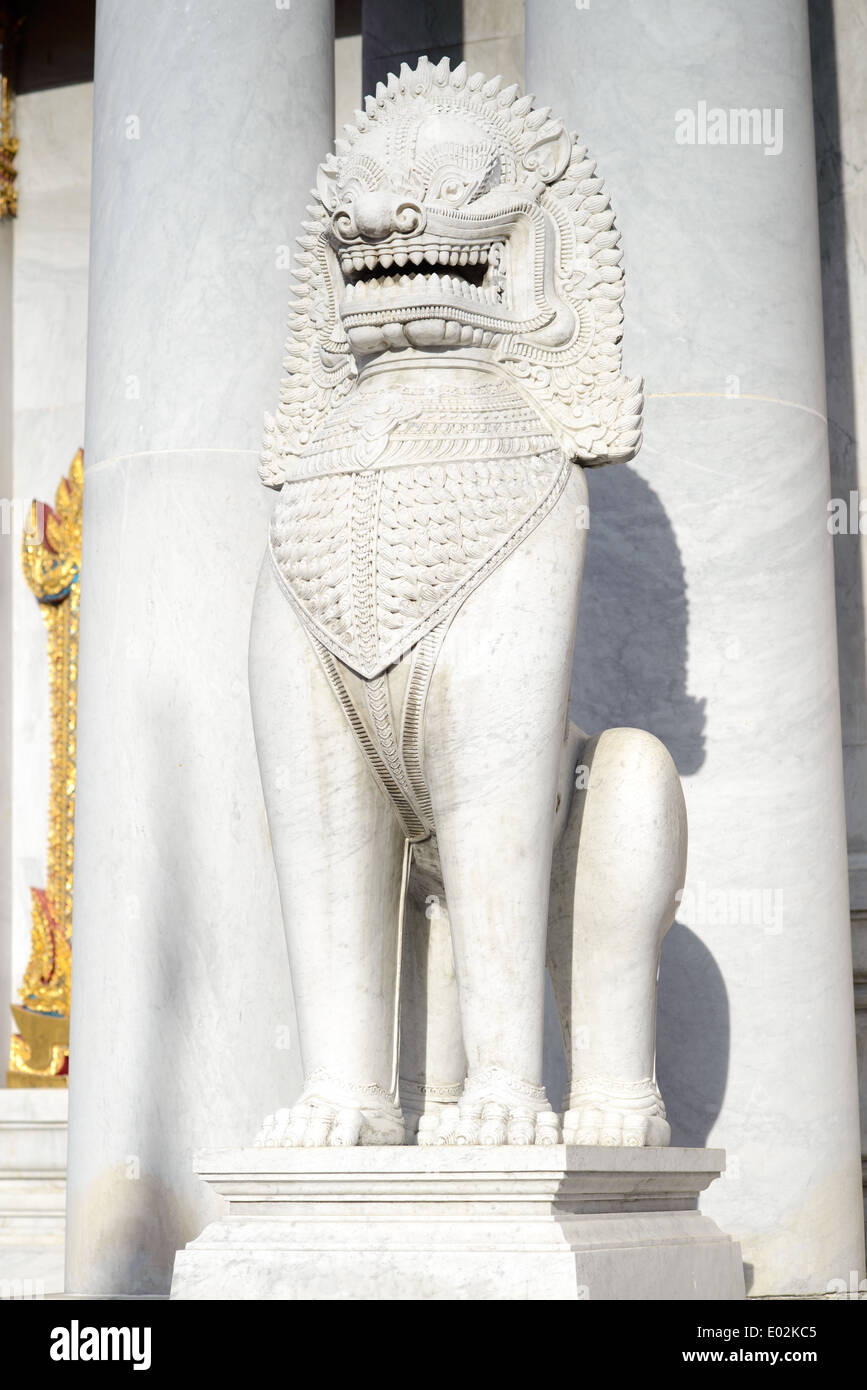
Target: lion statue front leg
x=496 y=707
x=338 y=852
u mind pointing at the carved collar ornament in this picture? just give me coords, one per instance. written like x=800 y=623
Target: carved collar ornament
x=454 y=345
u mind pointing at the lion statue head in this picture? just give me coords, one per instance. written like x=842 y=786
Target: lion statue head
x=457 y=217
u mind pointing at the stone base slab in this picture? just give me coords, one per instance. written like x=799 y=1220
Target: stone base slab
x=460 y=1223
x=32 y=1191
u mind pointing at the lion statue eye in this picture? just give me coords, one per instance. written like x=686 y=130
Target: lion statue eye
x=452 y=187
x=348 y=192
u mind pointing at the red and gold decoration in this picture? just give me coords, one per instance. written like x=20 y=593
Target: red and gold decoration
x=51 y=560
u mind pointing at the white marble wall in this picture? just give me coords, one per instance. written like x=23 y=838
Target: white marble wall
x=711 y=561
x=49 y=336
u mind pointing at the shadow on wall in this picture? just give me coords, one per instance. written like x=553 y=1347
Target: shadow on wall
x=631 y=648
x=631 y=670
x=394 y=34
x=692 y=1036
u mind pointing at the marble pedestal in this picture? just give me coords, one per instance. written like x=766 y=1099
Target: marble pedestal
x=460 y=1223
x=32 y=1191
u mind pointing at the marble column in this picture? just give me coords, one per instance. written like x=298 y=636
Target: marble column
x=839 y=48
x=208 y=118
x=710 y=562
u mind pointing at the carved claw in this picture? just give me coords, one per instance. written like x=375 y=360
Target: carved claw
x=428 y=1128
x=469 y=1124
x=518 y=1115
x=346 y=1129
x=318 y=1127
x=294 y=1130
x=635 y=1131
x=522 y=1127
x=315 y=1123
x=547 y=1127
x=582 y=1126
x=495 y=1124
x=614 y=1113
x=447 y=1127
x=614 y=1129
x=265 y=1138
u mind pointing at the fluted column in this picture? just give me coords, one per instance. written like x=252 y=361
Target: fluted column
x=708 y=608
x=209 y=117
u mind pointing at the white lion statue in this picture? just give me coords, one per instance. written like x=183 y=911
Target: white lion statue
x=440 y=830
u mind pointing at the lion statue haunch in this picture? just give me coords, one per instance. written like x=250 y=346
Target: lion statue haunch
x=453 y=364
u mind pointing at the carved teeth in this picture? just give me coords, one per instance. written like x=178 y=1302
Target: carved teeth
x=434 y=255
x=428 y=285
